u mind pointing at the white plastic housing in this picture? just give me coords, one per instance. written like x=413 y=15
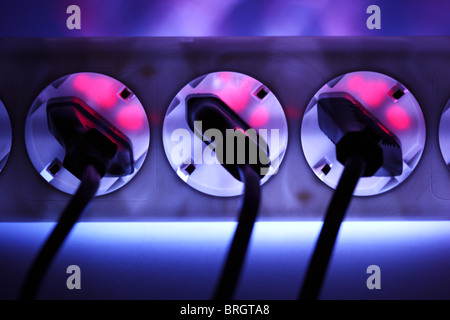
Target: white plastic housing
x=5 y=136
x=391 y=103
x=189 y=156
x=444 y=134
x=107 y=96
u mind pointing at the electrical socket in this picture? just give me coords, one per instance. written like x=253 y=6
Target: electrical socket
x=192 y=159
x=388 y=101
x=5 y=136
x=293 y=68
x=106 y=96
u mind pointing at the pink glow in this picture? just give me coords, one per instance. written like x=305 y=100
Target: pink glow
x=101 y=90
x=293 y=112
x=259 y=117
x=371 y=92
x=398 y=118
x=235 y=95
x=355 y=82
x=131 y=118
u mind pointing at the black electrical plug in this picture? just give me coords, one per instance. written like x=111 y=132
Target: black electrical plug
x=249 y=163
x=93 y=148
x=366 y=148
x=87 y=137
x=248 y=147
x=354 y=130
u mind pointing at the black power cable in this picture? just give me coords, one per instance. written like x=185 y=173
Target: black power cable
x=337 y=208
x=366 y=148
x=243 y=232
x=75 y=208
x=212 y=113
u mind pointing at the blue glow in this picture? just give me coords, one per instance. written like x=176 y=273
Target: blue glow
x=183 y=260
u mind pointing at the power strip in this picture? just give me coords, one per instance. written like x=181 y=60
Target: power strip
x=155 y=69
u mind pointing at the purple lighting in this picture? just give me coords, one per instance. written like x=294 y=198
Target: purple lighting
x=202 y=18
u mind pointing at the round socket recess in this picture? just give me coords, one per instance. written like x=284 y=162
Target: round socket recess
x=108 y=97
x=385 y=99
x=5 y=136
x=189 y=155
x=444 y=134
